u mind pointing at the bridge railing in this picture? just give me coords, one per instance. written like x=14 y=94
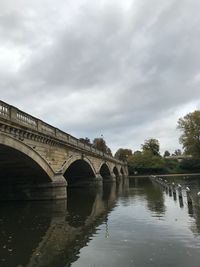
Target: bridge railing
x=25 y=119
x=13 y=114
x=4 y=110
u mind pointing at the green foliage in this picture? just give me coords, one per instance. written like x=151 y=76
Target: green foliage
x=145 y=162
x=151 y=145
x=190 y=164
x=100 y=144
x=148 y=160
x=172 y=166
x=166 y=154
x=177 y=152
x=137 y=152
x=190 y=138
x=123 y=154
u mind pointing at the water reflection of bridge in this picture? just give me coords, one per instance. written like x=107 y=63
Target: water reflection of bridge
x=52 y=234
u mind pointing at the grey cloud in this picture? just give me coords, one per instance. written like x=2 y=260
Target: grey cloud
x=86 y=54
x=105 y=68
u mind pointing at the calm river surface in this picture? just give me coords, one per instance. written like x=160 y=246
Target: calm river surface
x=137 y=223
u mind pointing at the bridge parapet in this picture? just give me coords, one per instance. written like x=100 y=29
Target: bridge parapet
x=14 y=115
x=4 y=110
x=49 y=157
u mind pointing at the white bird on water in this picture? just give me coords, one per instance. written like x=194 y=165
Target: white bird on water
x=187 y=189
x=198 y=194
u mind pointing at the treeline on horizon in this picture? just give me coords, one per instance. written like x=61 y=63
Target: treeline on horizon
x=148 y=160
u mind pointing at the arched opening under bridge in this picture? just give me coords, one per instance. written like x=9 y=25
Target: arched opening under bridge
x=122 y=171
x=105 y=172
x=18 y=173
x=116 y=172
x=79 y=173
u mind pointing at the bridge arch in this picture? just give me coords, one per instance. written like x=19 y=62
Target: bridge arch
x=122 y=171
x=78 y=170
x=17 y=152
x=116 y=172
x=104 y=171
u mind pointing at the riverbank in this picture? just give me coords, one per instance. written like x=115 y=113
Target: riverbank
x=165 y=175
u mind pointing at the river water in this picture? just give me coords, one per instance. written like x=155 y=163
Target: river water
x=136 y=223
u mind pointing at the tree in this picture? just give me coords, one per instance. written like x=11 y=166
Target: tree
x=166 y=154
x=100 y=144
x=109 y=152
x=123 y=153
x=172 y=165
x=146 y=162
x=190 y=164
x=137 y=152
x=190 y=128
x=85 y=140
x=177 y=152
x=151 y=145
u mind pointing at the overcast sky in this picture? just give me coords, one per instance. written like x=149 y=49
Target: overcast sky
x=126 y=70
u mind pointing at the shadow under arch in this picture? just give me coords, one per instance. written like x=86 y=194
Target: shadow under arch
x=105 y=172
x=78 y=171
x=23 y=173
x=122 y=171
x=24 y=152
x=116 y=172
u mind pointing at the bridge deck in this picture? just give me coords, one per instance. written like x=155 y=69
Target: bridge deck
x=11 y=114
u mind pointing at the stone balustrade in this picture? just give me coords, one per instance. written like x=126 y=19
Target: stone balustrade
x=11 y=113
x=4 y=110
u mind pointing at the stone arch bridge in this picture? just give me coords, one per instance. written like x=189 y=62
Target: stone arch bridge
x=39 y=161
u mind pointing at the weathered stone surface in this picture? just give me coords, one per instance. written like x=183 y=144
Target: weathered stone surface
x=47 y=153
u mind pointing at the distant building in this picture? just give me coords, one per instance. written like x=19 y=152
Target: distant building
x=179 y=158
